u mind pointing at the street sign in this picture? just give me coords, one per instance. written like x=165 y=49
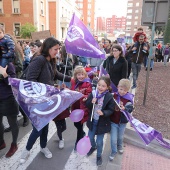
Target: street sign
x=148 y=7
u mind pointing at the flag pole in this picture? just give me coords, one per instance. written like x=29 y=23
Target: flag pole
x=93 y=103
x=65 y=68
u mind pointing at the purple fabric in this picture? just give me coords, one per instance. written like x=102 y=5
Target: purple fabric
x=104 y=72
x=93 y=70
x=80 y=41
x=146 y=132
x=98 y=96
x=128 y=96
x=41 y=102
x=80 y=82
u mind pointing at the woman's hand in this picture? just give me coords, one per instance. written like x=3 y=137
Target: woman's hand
x=3 y=71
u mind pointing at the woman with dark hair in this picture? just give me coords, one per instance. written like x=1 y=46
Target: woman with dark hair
x=116 y=65
x=43 y=69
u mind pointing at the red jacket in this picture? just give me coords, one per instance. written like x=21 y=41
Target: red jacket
x=136 y=36
x=84 y=88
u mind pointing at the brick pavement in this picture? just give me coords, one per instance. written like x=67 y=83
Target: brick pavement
x=135 y=158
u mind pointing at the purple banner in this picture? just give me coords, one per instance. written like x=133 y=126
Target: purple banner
x=146 y=132
x=93 y=70
x=41 y=102
x=80 y=41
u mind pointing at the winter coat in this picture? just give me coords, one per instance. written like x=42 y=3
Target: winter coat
x=104 y=124
x=116 y=71
x=84 y=88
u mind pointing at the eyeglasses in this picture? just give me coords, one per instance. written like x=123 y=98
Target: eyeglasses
x=115 y=50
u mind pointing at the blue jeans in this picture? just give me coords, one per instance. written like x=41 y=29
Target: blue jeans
x=4 y=62
x=99 y=141
x=151 y=63
x=116 y=139
x=165 y=59
x=35 y=134
x=135 y=70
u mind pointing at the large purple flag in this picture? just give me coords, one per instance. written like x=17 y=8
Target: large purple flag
x=41 y=102
x=80 y=41
x=146 y=132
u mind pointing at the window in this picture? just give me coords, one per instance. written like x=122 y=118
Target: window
x=17 y=29
x=89 y=19
x=137 y=11
x=130 y=5
x=137 y=4
x=1 y=7
x=128 y=23
x=129 y=11
x=135 y=23
x=2 y=25
x=42 y=7
x=16 y=6
x=89 y=6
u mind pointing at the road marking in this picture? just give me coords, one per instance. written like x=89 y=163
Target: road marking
x=14 y=161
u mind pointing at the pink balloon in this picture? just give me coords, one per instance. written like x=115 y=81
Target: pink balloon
x=77 y=115
x=83 y=145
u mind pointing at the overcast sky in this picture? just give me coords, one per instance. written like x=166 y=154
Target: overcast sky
x=107 y=8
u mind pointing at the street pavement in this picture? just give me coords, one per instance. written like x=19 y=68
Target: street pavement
x=136 y=156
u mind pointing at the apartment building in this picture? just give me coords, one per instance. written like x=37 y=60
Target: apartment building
x=53 y=15
x=115 y=24
x=87 y=9
x=134 y=14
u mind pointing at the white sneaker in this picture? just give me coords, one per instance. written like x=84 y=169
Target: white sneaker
x=24 y=156
x=61 y=144
x=46 y=152
x=121 y=151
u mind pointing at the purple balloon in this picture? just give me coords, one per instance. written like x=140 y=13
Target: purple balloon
x=77 y=115
x=83 y=145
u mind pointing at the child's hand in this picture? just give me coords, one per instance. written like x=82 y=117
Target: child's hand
x=121 y=106
x=100 y=112
x=94 y=100
x=63 y=86
x=134 y=48
x=3 y=71
x=84 y=99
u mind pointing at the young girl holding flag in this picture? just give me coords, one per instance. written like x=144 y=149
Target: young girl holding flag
x=82 y=84
x=99 y=120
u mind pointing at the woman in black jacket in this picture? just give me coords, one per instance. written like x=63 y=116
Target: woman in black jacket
x=43 y=69
x=116 y=65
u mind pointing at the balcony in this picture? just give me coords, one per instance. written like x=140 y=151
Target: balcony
x=64 y=22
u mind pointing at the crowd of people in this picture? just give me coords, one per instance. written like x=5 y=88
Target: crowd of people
x=48 y=62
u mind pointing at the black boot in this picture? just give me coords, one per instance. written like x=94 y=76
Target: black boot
x=99 y=161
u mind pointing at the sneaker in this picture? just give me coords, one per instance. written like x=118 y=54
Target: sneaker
x=12 y=150
x=46 y=152
x=150 y=69
x=24 y=156
x=133 y=87
x=7 y=129
x=121 y=151
x=91 y=151
x=61 y=144
x=111 y=157
x=99 y=161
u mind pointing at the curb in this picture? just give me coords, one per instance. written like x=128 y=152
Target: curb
x=131 y=137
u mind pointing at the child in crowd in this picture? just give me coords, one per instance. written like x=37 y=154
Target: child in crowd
x=99 y=120
x=7 y=46
x=82 y=84
x=118 y=119
x=136 y=38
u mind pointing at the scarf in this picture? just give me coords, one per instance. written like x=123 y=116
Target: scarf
x=81 y=82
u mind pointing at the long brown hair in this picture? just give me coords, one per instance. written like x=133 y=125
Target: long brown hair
x=118 y=47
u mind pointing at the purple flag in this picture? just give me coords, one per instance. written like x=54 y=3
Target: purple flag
x=104 y=72
x=80 y=41
x=146 y=132
x=93 y=70
x=41 y=102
